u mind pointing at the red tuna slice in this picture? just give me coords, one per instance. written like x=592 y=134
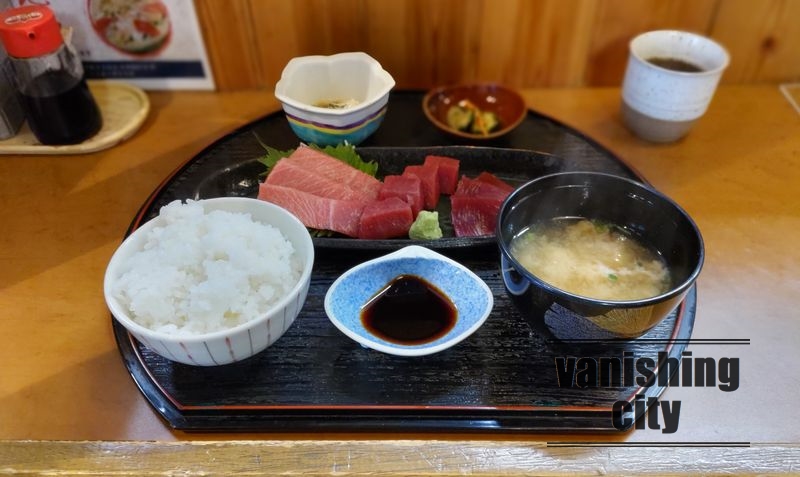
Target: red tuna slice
x=447 y=171
x=474 y=216
x=408 y=188
x=383 y=219
x=490 y=178
x=291 y=174
x=430 y=183
x=475 y=187
x=322 y=213
x=334 y=169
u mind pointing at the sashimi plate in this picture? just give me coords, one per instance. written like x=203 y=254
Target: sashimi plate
x=514 y=166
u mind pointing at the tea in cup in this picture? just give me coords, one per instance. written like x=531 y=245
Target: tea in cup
x=669 y=81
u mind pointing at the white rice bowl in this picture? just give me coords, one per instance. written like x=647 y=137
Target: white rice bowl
x=207 y=272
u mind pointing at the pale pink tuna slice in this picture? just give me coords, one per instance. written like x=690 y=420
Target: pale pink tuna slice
x=476 y=203
x=383 y=219
x=408 y=188
x=336 y=170
x=322 y=213
x=292 y=174
x=476 y=187
x=474 y=215
x=490 y=178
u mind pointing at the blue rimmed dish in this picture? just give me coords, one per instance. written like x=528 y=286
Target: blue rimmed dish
x=353 y=85
x=347 y=296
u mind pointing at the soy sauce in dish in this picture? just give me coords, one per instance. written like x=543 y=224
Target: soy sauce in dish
x=675 y=64
x=410 y=311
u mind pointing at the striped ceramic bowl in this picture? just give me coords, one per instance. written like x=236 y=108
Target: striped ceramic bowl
x=332 y=99
x=227 y=345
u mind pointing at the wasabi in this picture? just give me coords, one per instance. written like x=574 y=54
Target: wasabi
x=425 y=227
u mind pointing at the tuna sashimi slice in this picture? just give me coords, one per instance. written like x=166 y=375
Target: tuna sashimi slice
x=334 y=169
x=475 y=187
x=447 y=171
x=322 y=213
x=408 y=188
x=474 y=216
x=490 y=178
x=383 y=219
x=291 y=174
x=430 y=183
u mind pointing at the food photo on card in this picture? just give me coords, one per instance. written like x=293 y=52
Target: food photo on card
x=153 y=44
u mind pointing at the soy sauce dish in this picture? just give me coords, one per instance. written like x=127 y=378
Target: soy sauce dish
x=378 y=302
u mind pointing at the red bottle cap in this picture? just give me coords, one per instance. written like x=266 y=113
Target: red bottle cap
x=30 y=31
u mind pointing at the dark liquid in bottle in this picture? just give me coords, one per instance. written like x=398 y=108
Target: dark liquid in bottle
x=675 y=64
x=409 y=310
x=67 y=117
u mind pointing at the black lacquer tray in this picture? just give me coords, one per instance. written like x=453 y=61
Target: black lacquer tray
x=502 y=378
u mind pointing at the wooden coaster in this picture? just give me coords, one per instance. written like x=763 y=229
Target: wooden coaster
x=124 y=108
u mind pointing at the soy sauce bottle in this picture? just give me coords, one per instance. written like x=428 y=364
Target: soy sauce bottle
x=49 y=75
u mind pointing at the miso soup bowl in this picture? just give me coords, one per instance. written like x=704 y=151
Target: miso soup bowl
x=307 y=81
x=648 y=215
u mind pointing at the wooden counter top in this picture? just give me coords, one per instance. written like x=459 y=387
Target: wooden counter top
x=62 y=378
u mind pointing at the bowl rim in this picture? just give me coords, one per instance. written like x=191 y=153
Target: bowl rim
x=294 y=63
x=410 y=251
x=674 y=291
x=430 y=94
x=119 y=311
x=635 y=42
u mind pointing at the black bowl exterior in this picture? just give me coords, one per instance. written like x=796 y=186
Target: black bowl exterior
x=647 y=214
x=567 y=319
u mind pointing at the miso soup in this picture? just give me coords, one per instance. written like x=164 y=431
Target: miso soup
x=592 y=259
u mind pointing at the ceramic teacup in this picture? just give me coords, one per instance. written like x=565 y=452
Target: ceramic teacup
x=669 y=81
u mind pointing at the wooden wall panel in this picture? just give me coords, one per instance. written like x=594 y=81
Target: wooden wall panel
x=228 y=33
x=763 y=38
x=543 y=42
x=618 y=21
x=523 y=43
x=423 y=42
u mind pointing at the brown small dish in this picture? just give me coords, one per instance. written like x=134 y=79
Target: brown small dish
x=505 y=103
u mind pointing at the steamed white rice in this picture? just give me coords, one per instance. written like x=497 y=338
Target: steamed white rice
x=204 y=272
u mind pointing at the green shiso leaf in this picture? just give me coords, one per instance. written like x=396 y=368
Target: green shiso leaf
x=271 y=156
x=345 y=152
x=319 y=233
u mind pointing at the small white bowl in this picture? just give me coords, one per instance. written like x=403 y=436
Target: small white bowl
x=232 y=344
x=352 y=290
x=309 y=80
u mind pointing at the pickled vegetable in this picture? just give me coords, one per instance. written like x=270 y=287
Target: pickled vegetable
x=467 y=117
x=485 y=122
x=460 y=118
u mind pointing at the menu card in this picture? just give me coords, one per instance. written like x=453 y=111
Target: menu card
x=154 y=44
